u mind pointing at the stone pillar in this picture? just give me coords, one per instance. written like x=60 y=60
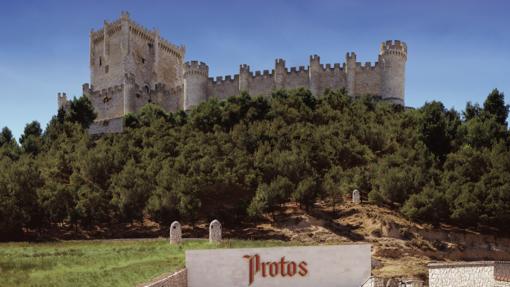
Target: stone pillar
x=175 y=233
x=214 y=231
x=356 y=196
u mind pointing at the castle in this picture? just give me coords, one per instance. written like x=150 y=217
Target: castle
x=131 y=66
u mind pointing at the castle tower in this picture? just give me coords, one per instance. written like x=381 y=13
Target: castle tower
x=244 y=77
x=62 y=101
x=393 y=57
x=315 y=74
x=129 y=62
x=196 y=75
x=350 y=66
x=280 y=74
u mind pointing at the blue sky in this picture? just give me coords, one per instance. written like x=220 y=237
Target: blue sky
x=458 y=50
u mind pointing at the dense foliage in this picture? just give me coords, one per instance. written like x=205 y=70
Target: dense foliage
x=245 y=156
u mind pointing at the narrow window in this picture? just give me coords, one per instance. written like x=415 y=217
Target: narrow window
x=106 y=69
x=100 y=61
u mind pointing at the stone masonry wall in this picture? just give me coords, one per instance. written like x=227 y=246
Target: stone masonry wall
x=108 y=103
x=106 y=57
x=477 y=274
x=222 y=88
x=334 y=77
x=107 y=126
x=131 y=66
x=502 y=272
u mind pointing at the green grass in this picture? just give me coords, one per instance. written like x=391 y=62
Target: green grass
x=98 y=263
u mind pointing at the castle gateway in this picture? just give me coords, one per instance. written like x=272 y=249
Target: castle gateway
x=131 y=66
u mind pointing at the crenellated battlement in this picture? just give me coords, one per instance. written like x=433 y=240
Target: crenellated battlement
x=138 y=31
x=196 y=68
x=300 y=69
x=132 y=66
x=367 y=66
x=244 y=68
x=332 y=67
x=222 y=80
x=264 y=74
x=350 y=56
x=394 y=47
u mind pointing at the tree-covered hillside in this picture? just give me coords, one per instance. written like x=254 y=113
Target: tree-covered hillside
x=239 y=158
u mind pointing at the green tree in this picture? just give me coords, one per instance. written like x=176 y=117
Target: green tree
x=31 y=138
x=495 y=106
x=130 y=189
x=81 y=111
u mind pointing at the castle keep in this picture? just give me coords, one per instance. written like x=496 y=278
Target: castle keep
x=131 y=66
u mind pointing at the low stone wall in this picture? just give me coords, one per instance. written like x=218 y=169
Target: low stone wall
x=374 y=282
x=115 y=125
x=178 y=279
x=479 y=274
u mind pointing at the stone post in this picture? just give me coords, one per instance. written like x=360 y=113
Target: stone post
x=215 y=231
x=356 y=197
x=175 y=233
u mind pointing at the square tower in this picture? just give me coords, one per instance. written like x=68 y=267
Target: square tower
x=131 y=66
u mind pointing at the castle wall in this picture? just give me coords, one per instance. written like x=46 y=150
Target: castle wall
x=332 y=77
x=297 y=78
x=132 y=66
x=223 y=88
x=106 y=62
x=154 y=60
x=108 y=103
x=261 y=83
x=368 y=80
x=141 y=59
x=115 y=125
x=169 y=69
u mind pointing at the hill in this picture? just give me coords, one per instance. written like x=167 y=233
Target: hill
x=245 y=158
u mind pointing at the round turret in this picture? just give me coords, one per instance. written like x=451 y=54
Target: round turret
x=196 y=75
x=392 y=58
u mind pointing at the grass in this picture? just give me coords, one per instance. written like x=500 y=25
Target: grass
x=98 y=263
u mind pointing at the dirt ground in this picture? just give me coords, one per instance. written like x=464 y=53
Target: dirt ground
x=400 y=248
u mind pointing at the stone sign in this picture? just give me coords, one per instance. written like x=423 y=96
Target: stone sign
x=325 y=266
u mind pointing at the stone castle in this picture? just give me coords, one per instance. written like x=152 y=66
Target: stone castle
x=131 y=66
